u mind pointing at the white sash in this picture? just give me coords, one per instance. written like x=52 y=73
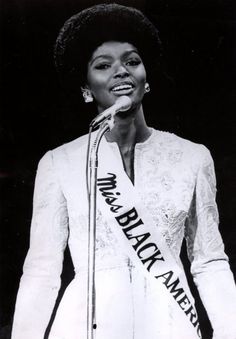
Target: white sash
x=122 y=208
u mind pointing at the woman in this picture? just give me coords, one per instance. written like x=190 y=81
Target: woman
x=163 y=188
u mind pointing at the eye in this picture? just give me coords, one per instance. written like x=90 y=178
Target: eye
x=133 y=62
x=102 y=66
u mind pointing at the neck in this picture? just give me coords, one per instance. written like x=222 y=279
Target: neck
x=129 y=129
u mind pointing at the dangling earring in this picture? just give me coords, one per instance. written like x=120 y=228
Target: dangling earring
x=147 y=87
x=86 y=95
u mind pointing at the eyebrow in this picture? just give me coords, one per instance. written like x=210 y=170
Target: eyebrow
x=108 y=56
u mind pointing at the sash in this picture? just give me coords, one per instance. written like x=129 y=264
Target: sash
x=121 y=206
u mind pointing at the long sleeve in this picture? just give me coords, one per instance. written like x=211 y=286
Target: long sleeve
x=40 y=281
x=209 y=263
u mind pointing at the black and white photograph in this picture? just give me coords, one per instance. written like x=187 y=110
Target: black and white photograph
x=118 y=169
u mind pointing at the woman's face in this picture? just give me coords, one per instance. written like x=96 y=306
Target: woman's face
x=116 y=69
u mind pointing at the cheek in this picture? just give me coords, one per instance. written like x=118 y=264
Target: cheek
x=97 y=84
x=142 y=82
x=141 y=75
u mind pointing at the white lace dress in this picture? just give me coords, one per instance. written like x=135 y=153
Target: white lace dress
x=176 y=181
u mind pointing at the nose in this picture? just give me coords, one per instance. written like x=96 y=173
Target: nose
x=121 y=71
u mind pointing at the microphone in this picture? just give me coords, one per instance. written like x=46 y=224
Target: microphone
x=122 y=104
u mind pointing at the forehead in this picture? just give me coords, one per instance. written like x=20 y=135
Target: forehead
x=113 y=48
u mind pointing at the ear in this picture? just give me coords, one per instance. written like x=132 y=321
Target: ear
x=147 y=87
x=84 y=87
x=87 y=95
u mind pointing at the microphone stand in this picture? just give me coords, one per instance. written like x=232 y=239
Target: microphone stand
x=93 y=166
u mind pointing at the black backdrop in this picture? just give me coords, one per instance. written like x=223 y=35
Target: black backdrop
x=200 y=49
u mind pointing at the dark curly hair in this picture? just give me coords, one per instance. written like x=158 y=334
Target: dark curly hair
x=88 y=29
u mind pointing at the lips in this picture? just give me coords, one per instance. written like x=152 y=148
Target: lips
x=122 y=86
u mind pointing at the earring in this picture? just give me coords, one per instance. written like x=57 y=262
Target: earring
x=147 y=87
x=87 y=95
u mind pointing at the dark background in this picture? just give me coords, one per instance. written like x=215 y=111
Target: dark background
x=200 y=51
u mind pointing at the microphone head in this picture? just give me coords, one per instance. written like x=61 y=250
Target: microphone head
x=123 y=103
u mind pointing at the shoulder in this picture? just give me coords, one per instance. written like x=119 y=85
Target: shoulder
x=64 y=154
x=174 y=143
x=72 y=146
